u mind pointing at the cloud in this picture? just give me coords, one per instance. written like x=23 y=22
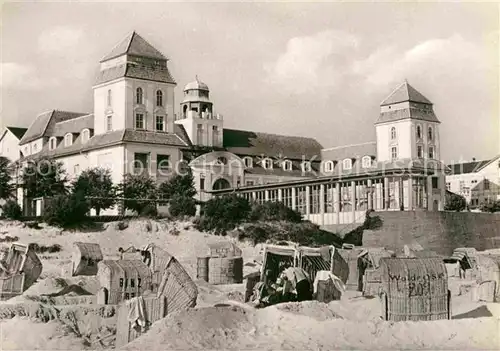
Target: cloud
x=433 y=59
x=60 y=40
x=312 y=61
x=17 y=76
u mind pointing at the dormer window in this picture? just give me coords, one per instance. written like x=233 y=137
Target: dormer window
x=52 y=143
x=419 y=132
x=366 y=162
x=287 y=165
x=328 y=167
x=85 y=135
x=347 y=163
x=68 y=139
x=248 y=162
x=159 y=98
x=139 y=96
x=306 y=166
x=267 y=163
x=393 y=133
x=430 y=134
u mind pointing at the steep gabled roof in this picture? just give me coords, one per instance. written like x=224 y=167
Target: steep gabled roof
x=241 y=142
x=468 y=167
x=135 y=45
x=44 y=123
x=18 y=132
x=405 y=92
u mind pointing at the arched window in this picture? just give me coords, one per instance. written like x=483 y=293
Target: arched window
x=287 y=165
x=52 y=143
x=366 y=161
x=306 y=166
x=109 y=100
x=68 y=139
x=430 y=134
x=328 y=167
x=347 y=163
x=267 y=163
x=139 y=98
x=248 y=162
x=419 y=132
x=85 y=135
x=159 y=98
x=393 y=133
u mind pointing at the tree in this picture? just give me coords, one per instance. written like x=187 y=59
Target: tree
x=142 y=188
x=6 y=188
x=491 y=207
x=66 y=210
x=44 y=178
x=178 y=185
x=455 y=202
x=96 y=182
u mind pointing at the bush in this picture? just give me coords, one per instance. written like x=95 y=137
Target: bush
x=45 y=249
x=491 y=207
x=305 y=233
x=224 y=213
x=150 y=210
x=12 y=210
x=455 y=202
x=181 y=206
x=66 y=210
x=274 y=211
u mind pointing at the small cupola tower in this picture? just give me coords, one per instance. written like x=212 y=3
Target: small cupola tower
x=203 y=126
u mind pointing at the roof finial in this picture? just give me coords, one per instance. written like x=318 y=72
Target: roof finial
x=406 y=81
x=196 y=76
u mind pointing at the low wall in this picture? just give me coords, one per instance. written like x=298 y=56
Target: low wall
x=437 y=231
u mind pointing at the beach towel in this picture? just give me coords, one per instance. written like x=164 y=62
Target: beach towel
x=137 y=315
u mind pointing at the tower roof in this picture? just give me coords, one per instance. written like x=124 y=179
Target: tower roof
x=405 y=92
x=196 y=85
x=135 y=45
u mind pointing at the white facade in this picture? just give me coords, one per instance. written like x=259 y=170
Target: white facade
x=9 y=145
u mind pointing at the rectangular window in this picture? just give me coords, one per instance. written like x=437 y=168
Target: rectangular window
x=287 y=197
x=138 y=282
x=431 y=152
x=314 y=199
x=394 y=153
x=419 y=151
x=448 y=186
x=199 y=134
x=132 y=295
x=215 y=135
x=329 y=200
x=76 y=169
x=202 y=183
x=127 y=296
x=435 y=182
x=141 y=161
x=250 y=182
x=121 y=282
x=162 y=161
x=132 y=283
x=300 y=200
x=160 y=123
x=139 y=121
x=486 y=184
x=462 y=185
x=109 y=123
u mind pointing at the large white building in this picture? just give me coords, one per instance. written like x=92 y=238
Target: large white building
x=134 y=127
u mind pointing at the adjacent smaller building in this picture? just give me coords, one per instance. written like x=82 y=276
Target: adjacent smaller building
x=477 y=181
x=9 y=142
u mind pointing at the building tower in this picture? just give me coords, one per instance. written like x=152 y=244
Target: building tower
x=407 y=127
x=197 y=116
x=134 y=89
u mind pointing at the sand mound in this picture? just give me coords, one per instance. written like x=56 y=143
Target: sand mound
x=204 y=328
x=314 y=309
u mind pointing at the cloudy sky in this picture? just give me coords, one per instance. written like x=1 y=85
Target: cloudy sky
x=316 y=69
